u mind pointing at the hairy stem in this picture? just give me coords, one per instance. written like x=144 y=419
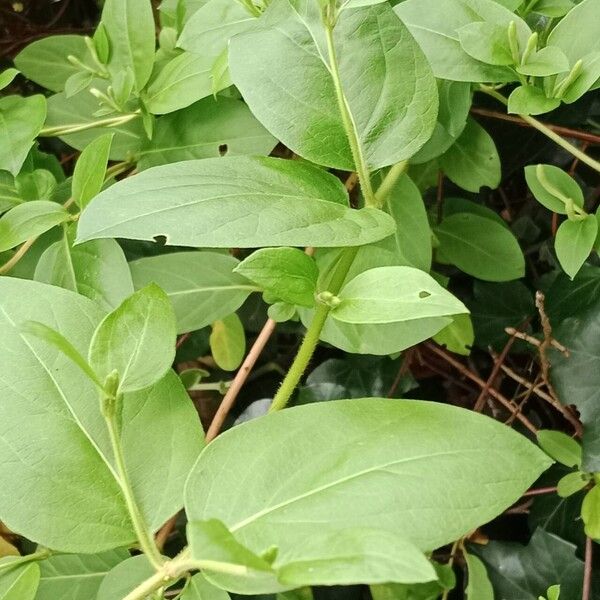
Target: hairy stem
x=313 y=333
x=143 y=533
x=349 y=125
x=582 y=156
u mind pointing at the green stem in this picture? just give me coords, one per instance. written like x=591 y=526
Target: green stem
x=66 y=129
x=357 y=155
x=576 y=152
x=313 y=333
x=144 y=536
x=390 y=180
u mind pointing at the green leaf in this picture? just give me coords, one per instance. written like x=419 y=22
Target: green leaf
x=590 y=513
x=472 y=161
x=530 y=100
x=458 y=337
x=20 y=121
x=137 y=340
x=210 y=28
x=435 y=25
x=129 y=26
x=96 y=269
x=405 y=453
x=479 y=586
x=574 y=242
x=79 y=111
x=228 y=342
x=281 y=68
x=587 y=79
x=287 y=274
x=412 y=239
x=20 y=583
x=560 y=447
x=184 y=80
x=575 y=35
x=77 y=82
x=125 y=577
x=555 y=183
x=7 y=76
x=526 y=572
x=480 y=247
x=208 y=128
x=419 y=591
x=233 y=202
x=554 y=9
x=40 y=184
x=547 y=61
x=90 y=170
x=45 y=61
x=53 y=425
x=199 y=588
x=571 y=483
x=76 y=576
x=201 y=286
x=392 y=295
x=486 y=42
x=29 y=220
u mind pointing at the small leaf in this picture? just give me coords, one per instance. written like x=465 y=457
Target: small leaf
x=553 y=185
x=40 y=184
x=125 y=577
x=547 y=61
x=394 y=294
x=20 y=583
x=199 y=588
x=29 y=220
x=560 y=447
x=590 y=513
x=553 y=9
x=458 y=337
x=479 y=586
x=530 y=100
x=137 y=340
x=78 y=82
x=472 y=161
x=287 y=274
x=486 y=42
x=90 y=170
x=573 y=243
x=228 y=342
x=571 y=483
x=7 y=76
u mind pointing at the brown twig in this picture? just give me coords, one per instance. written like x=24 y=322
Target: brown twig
x=584 y=136
x=586 y=594
x=540 y=491
x=514 y=410
x=402 y=371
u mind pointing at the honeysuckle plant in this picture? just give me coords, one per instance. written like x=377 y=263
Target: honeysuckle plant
x=287 y=158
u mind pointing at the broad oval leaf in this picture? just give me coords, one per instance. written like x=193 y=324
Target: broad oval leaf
x=52 y=425
x=574 y=242
x=392 y=295
x=201 y=286
x=235 y=201
x=428 y=472
x=228 y=342
x=282 y=68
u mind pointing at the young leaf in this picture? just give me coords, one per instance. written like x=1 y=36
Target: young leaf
x=458 y=337
x=405 y=453
x=530 y=100
x=68 y=438
x=76 y=576
x=206 y=129
x=287 y=274
x=547 y=61
x=479 y=586
x=552 y=186
x=7 y=76
x=20 y=121
x=137 y=340
x=586 y=80
x=46 y=62
x=228 y=342
x=96 y=269
x=571 y=483
x=590 y=513
x=233 y=202
x=199 y=588
x=20 y=583
x=560 y=447
x=129 y=27
x=486 y=42
x=201 y=286
x=472 y=161
x=574 y=242
x=90 y=170
x=393 y=109
x=210 y=28
x=125 y=577
x=435 y=25
x=392 y=295
x=29 y=220
x=480 y=247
